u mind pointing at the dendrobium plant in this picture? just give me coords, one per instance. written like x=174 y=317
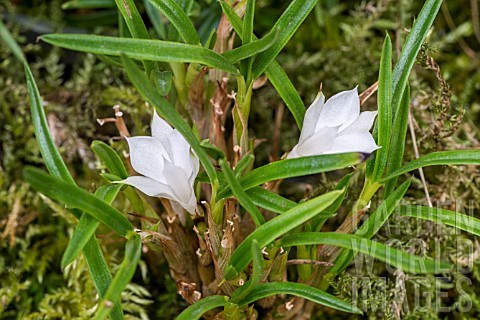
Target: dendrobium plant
x=167 y=163
x=336 y=126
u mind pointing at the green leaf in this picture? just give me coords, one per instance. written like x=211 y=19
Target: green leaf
x=377 y=219
x=256 y=276
x=96 y=262
x=50 y=154
x=156 y=20
x=196 y=310
x=397 y=145
x=110 y=158
x=142 y=49
x=241 y=196
x=318 y=222
x=101 y=276
x=87 y=225
x=457 y=157
x=410 y=49
x=274 y=72
x=11 y=43
x=269 y=200
x=294 y=168
x=245 y=163
x=286 y=25
x=211 y=150
x=300 y=290
x=88 y=4
x=178 y=19
x=450 y=218
x=133 y=251
x=135 y=25
x=166 y=111
x=250 y=49
x=287 y=91
x=276 y=227
x=371 y=226
x=377 y=250
x=75 y=197
x=247 y=26
x=384 y=101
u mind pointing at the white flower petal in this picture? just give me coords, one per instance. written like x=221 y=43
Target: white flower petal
x=357 y=142
x=317 y=144
x=311 y=117
x=180 y=151
x=179 y=182
x=160 y=128
x=151 y=187
x=364 y=122
x=147 y=157
x=340 y=110
x=195 y=163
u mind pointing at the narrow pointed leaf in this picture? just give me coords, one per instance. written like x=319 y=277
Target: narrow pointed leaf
x=178 y=19
x=135 y=25
x=371 y=226
x=96 y=262
x=166 y=111
x=397 y=145
x=377 y=250
x=133 y=251
x=256 y=276
x=447 y=217
x=250 y=49
x=88 y=4
x=269 y=200
x=286 y=25
x=457 y=157
x=11 y=43
x=50 y=154
x=142 y=49
x=78 y=198
x=300 y=290
x=110 y=158
x=196 y=310
x=240 y=195
x=384 y=117
x=296 y=167
x=87 y=225
x=277 y=227
x=274 y=72
x=100 y=273
x=410 y=49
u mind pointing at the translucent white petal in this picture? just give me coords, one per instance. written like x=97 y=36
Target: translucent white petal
x=147 y=157
x=311 y=117
x=179 y=182
x=364 y=122
x=317 y=144
x=340 y=110
x=180 y=151
x=195 y=163
x=293 y=154
x=160 y=128
x=357 y=142
x=151 y=187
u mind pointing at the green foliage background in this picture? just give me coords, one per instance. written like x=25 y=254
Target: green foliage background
x=339 y=46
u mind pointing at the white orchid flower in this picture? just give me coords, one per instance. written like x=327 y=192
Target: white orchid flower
x=167 y=163
x=336 y=126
